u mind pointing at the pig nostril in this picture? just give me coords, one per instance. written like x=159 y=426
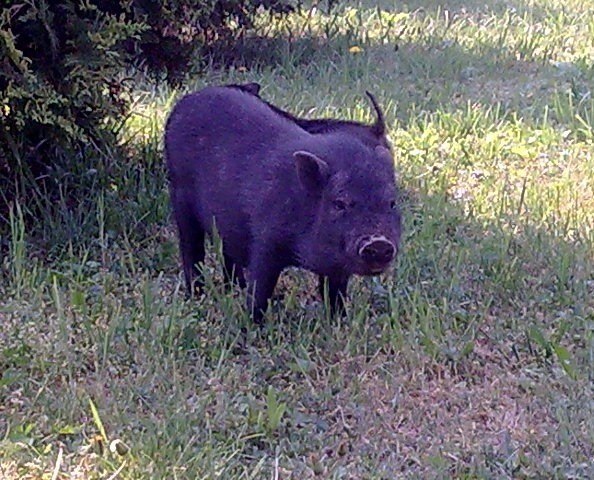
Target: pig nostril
x=378 y=251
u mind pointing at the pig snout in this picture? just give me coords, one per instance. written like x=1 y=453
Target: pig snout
x=376 y=251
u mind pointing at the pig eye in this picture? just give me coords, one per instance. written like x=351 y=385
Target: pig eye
x=339 y=205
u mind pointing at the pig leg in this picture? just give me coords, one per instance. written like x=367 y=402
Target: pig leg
x=191 y=245
x=264 y=273
x=233 y=272
x=336 y=291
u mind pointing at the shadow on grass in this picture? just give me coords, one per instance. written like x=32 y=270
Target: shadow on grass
x=431 y=56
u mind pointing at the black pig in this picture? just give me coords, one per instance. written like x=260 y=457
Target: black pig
x=279 y=196
x=373 y=135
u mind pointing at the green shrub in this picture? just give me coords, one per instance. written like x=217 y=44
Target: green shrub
x=63 y=65
x=178 y=29
x=60 y=79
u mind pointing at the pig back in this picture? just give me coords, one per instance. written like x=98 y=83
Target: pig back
x=224 y=149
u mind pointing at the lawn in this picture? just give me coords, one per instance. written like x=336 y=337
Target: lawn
x=472 y=359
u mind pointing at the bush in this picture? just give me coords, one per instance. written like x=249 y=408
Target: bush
x=178 y=28
x=63 y=65
x=59 y=80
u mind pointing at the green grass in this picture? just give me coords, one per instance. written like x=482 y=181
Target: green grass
x=473 y=359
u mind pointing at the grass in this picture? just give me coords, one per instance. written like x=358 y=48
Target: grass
x=473 y=359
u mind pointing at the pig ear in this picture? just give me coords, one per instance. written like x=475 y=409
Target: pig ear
x=312 y=171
